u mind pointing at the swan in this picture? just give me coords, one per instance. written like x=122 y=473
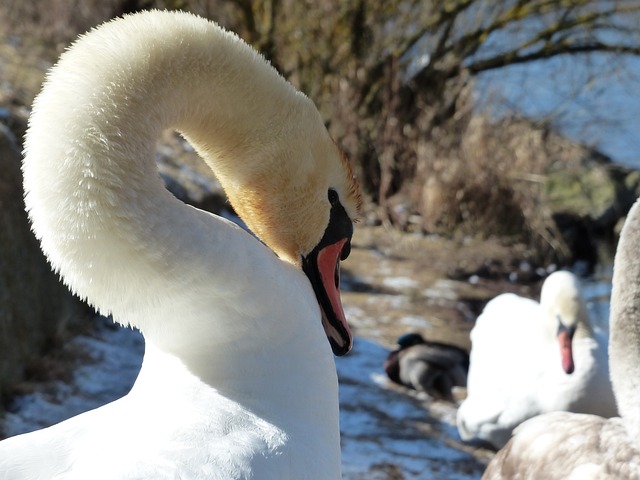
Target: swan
x=573 y=446
x=424 y=365
x=238 y=379
x=529 y=358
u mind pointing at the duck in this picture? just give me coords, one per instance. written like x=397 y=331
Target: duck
x=238 y=379
x=431 y=367
x=564 y=445
x=529 y=358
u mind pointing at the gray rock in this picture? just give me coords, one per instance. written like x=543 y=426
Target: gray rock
x=35 y=308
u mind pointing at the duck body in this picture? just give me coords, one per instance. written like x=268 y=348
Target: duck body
x=431 y=367
x=564 y=445
x=238 y=379
x=519 y=370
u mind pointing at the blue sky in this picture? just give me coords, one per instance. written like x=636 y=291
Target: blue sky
x=594 y=99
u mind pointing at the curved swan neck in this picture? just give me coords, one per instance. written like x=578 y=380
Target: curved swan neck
x=93 y=192
x=624 y=341
x=234 y=333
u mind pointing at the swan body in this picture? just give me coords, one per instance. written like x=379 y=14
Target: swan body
x=431 y=367
x=238 y=379
x=565 y=445
x=529 y=358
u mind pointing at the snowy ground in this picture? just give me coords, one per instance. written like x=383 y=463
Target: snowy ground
x=117 y=355
x=393 y=433
x=387 y=432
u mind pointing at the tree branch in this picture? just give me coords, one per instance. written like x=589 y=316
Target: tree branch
x=549 y=51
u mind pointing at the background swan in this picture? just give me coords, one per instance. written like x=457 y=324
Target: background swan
x=574 y=446
x=529 y=358
x=238 y=378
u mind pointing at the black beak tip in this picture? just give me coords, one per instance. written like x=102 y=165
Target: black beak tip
x=340 y=350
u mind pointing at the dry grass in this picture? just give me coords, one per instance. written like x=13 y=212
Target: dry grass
x=492 y=183
x=464 y=175
x=421 y=153
x=427 y=162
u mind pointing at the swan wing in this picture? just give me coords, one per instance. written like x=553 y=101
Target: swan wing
x=504 y=370
x=504 y=341
x=568 y=446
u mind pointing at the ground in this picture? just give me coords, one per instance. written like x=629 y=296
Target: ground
x=392 y=283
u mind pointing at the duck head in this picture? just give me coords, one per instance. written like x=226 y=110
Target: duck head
x=409 y=340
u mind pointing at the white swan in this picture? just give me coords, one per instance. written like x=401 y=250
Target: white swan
x=587 y=447
x=529 y=358
x=238 y=379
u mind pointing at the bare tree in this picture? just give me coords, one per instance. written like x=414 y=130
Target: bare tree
x=395 y=80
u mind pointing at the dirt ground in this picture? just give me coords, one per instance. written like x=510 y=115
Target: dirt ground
x=428 y=283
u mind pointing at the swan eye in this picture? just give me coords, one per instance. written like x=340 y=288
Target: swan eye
x=333 y=197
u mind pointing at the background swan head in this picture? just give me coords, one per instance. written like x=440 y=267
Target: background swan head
x=565 y=311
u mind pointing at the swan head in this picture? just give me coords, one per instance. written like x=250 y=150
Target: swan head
x=281 y=171
x=303 y=207
x=562 y=301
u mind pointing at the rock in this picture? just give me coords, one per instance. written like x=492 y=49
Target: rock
x=35 y=308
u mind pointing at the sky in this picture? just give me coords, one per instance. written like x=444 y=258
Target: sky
x=592 y=99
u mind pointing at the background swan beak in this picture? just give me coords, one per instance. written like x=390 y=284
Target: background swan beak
x=565 y=337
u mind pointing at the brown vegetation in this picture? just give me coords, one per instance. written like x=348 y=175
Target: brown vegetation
x=35 y=309
x=426 y=160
